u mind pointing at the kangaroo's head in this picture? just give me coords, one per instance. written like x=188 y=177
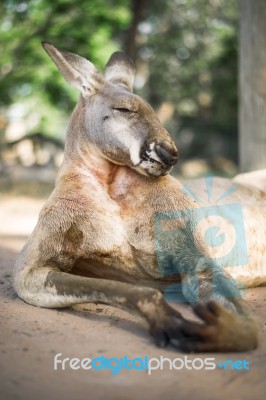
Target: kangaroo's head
x=117 y=124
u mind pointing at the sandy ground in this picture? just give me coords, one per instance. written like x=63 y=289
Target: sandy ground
x=30 y=337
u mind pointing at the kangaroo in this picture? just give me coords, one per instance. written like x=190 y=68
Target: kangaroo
x=95 y=239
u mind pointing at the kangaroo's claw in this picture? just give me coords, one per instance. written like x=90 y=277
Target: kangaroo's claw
x=222 y=330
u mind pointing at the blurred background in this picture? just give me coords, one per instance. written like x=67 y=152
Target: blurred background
x=202 y=65
x=188 y=56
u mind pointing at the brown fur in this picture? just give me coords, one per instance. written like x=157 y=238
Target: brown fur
x=94 y=241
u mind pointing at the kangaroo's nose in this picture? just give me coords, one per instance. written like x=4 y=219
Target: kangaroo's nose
x=167 y=152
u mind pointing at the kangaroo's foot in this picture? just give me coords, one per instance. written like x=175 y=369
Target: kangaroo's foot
x=221 y=330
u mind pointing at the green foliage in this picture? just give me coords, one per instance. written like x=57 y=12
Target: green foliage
x=186 y=52
x=86 y=27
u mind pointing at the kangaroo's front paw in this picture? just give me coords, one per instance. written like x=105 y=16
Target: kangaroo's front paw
x=167 y=331
x=221 y=331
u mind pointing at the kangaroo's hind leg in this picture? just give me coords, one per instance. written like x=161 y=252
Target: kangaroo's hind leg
x=254 y=179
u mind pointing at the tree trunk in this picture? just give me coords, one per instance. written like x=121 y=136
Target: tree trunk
x=137 y=7
x=252 y=85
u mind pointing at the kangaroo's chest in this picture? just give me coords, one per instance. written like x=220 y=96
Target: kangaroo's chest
x=115 y=248
x=117 y=232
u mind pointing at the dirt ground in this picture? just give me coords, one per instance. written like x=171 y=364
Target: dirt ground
x=30 y=337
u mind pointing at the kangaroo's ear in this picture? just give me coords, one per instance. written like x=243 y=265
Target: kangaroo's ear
x=120 y=70
x=76 y=70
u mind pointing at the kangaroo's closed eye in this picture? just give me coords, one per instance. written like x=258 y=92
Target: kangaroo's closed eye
x=122 y=109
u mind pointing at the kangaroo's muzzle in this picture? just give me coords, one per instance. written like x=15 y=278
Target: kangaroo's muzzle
x=158 y=158
x=167 y=152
